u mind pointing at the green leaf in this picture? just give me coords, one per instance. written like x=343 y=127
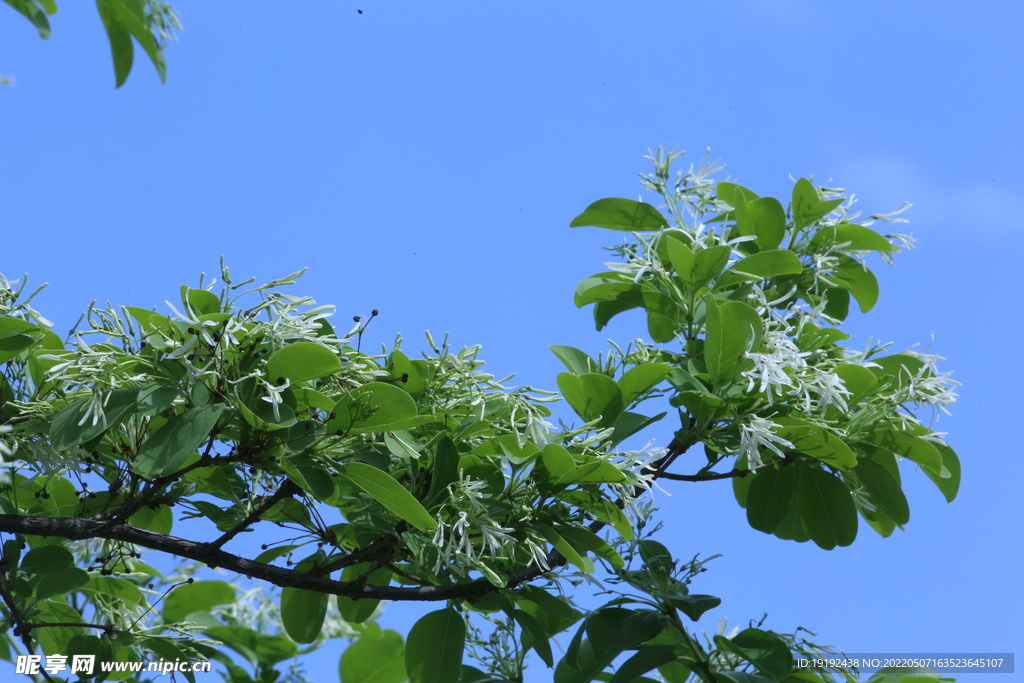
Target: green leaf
x=557 y=461
x=656 y=557
x=200 y=301
x=816 y=441
x=411 y=374
x=302 y=613
x=826 y=508
x=167 y=450
x=55 y=639
x=377 y=657
x=769 y=497
x=533 y=635
x=34 y=13
x=628 y=424
x=159 y=519
x=124 y=20
x=697 y=268
x=578 y=362
x=154 y=399
x=949 y=486
x=65 y=430
x=884 y=490
x=858 y=280
x=389 y=493
x=732 y=329
x=198 y=596
x=374 y=407
x=584 y=538
x=807 y=204
x=647 y=658
x=61 y=583
x=641 y=378
x=257 y=648
x=694 y=606
x=728 y=193
x=15 y=327
x=301 y=361
x=908 y=446
x=621 y=214
x=762 y=265
x=168 y=651
x=47 y=559
x=358 y=611
x=592 y=396
x=764 y=650
x=858 y=380
x=433 y=651
x=561 y=545
x=856 y=237
x=763 y=218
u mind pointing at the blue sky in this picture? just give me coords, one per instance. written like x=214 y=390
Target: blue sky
x=426 y=159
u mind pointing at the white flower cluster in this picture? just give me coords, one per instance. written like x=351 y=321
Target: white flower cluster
x=783 y=370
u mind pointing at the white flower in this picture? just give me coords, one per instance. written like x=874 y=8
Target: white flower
x=494 y=536
x=830 y=390
x=97 y=402
x=273 y=396
x=755 y=434
x=770 y=368
x=537 y=553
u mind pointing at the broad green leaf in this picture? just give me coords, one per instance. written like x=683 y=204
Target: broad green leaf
x=621 y=214
x=124 y=20
x=578 y=362
x=816 y=442
x=885 y=491
x=694 y=606
x=14 y=327
x=554 y=614
x=201 y=301
x=628 y=424
x=856 y=237
x=584 y=538
x=47 y=559
x=54 y=639
x=769 y=497
x=389 y=493
x=808 y=206
x=412 y=375
x=159 y=519
x=727 y=192
x=61 y=583
x=733 y=329
x=656 y=557
x=568 y=552
x=168 y=650
x=698 y=268
x=643 y=625
x=557 y=461
x=445 y=471
x=433 y=651
x=374 y=407
x=592 y=396
x=764 y=218
x=71 y=427
x=155 y=398
x=34 y=13
x=121 y=590
x=949 y=486
x=592 y=471
x=908 y=446
x=358 y=611
x=306 y=399
x=257 y=648
x=637 y=380
x=602 y=287
x=764 y=650
x=858 y=380
x=858 y=280
x=826 y=508
x=647 y=658
x=376 y=657
x=170 y=446
x=303 y=611
x=13 y=346
x=302 y=361
x=762 y=265
x=196 y=597
x=533 y=635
